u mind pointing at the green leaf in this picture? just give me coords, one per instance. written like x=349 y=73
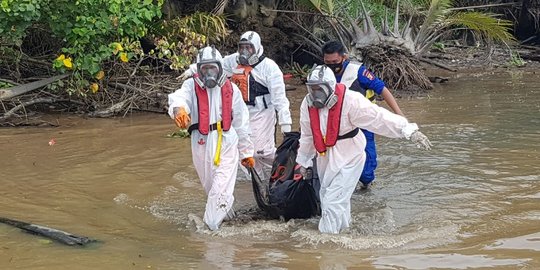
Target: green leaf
x=486 y=24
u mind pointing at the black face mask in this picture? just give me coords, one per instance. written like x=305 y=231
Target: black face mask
x=336 y=68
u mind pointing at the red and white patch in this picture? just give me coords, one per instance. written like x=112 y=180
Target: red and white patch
x=201 y=141
x=368 y=75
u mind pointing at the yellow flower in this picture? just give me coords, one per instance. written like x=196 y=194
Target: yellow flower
x=61 y=57
x=117 y=47
x=124 y=57
x=100 y=75
x=67 y=63
x=94 y=87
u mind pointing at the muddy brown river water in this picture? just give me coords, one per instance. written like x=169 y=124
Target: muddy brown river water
x=473 y=202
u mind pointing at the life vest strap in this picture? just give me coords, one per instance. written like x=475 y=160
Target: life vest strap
x=350 y=134
x=195 y=126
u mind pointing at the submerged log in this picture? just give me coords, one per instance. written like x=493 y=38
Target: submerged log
x=53 y=234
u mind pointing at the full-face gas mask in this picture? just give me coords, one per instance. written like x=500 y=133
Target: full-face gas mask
x=247 y=53
x=209 y=69
x=209 y=74
x=320 y=91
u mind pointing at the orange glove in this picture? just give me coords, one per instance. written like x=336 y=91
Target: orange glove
x=182 y=118
x=248 y=162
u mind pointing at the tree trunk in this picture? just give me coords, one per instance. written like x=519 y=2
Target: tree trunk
x=256 y=9
x=527 y=26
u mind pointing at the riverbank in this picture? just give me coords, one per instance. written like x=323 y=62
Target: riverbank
x=441 y=66
x=466 y=60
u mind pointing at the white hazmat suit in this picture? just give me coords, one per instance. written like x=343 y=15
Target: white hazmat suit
x=341 y=166
x=218 y=181
x=262 y=114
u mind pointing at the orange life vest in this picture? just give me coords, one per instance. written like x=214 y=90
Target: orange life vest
x=248 y=86
x=332 y=127
x=204 y=125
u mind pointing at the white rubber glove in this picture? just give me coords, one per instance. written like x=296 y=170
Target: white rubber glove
x=421 y=140
x=285 y=128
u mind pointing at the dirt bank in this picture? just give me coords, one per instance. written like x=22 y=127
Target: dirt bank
x=448 y=64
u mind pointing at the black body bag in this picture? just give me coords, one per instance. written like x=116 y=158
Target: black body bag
x=287 y=194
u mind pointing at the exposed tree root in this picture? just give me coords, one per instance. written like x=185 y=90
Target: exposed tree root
x=399 y=69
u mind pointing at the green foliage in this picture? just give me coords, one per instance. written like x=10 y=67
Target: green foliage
x=94 y=27
x=16 y=16
x=486 y=24
x=439 y=46
x=436 y=12
x=181 y=133
x=322 y=6
x=212 y=26
x=440 y=20
x=180 y=39
x=516 y=60
x=5 y=85
x=296 y=70
x=376 y=9
x=93 y=31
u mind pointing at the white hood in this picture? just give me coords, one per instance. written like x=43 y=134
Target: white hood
x=255 y=39
x=209 y=54
x=328 y=76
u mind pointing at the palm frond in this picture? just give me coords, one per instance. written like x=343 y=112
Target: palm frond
x=437 y=10
x=220 y=7
x=486 y=24
x=213 y=26
x=321 y=6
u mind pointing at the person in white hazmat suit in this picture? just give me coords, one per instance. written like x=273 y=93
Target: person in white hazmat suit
x=330 y=118
x=220 y=134
x=261 y=82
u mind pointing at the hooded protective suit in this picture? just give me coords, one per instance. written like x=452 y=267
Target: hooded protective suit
x=218 y=181
x=262 y=114
x=341 y=166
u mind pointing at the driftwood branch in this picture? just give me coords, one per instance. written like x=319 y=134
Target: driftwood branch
x=119 y=106
x=9 y=81
x=126 y=87
x=112 y=110
x=21 y=89
x=15 y=109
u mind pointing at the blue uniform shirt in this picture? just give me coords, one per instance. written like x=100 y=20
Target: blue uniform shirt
x=369 y=82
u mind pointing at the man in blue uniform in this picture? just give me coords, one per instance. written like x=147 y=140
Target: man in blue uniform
x=358 y=78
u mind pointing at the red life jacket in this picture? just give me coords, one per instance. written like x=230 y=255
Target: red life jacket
x=204 y=125
x=332 y=125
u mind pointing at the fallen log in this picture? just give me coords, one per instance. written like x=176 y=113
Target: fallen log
x=53 y=234
x=25 y=88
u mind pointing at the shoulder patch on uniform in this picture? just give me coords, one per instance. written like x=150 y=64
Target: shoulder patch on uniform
x=368 y=75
